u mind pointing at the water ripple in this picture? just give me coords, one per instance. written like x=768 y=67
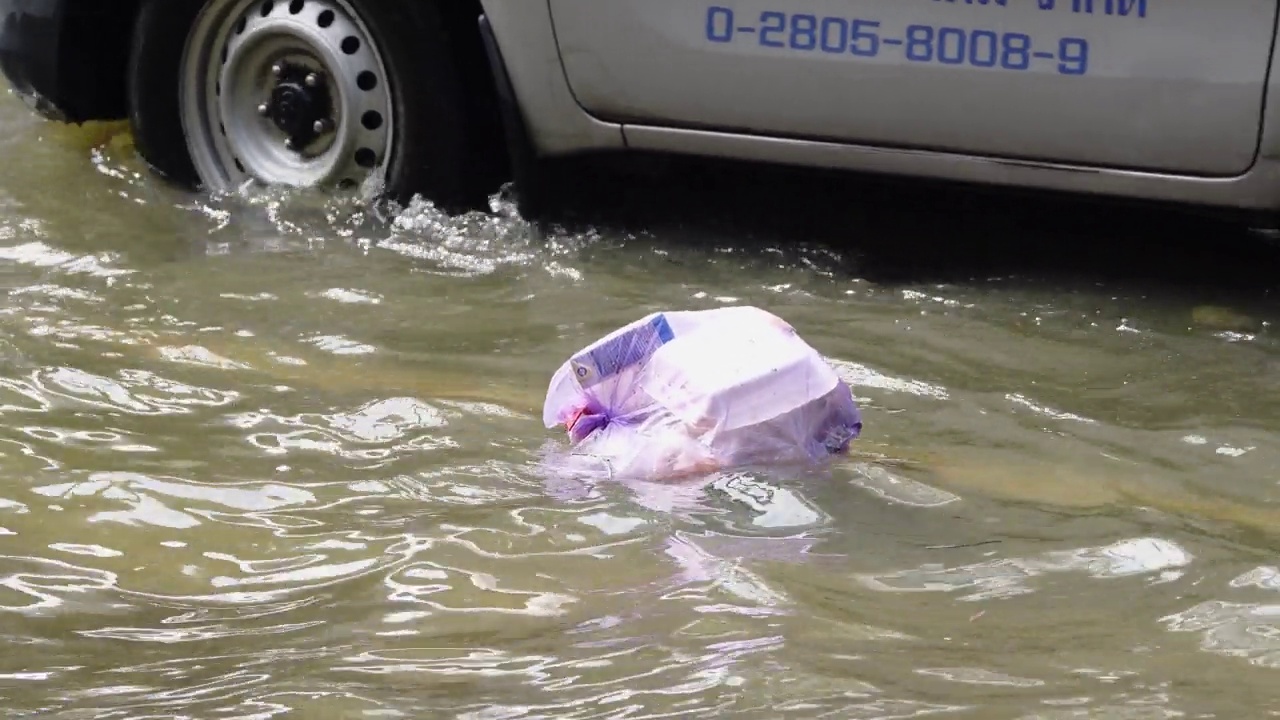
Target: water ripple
x=40 y=254
x=133 y=391
x=1250 y=631
x=380 y=431
x=1007 y=577
x=241 y=482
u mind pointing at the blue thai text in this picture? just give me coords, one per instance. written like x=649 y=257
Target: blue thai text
x=1120 y=8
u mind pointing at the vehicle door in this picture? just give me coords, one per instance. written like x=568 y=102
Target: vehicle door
x=1168 y=85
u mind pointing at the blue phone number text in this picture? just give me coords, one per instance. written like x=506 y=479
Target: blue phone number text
x=917 y=43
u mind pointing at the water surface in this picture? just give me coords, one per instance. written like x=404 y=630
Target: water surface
x=273 y=456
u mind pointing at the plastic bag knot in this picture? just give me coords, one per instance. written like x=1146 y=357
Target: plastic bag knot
x=587 y=419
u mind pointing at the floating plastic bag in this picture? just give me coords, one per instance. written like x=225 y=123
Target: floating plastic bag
x=693 y=392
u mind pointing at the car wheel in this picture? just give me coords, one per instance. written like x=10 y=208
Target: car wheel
x=303 y=93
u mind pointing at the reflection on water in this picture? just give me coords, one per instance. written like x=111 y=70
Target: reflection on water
x=279 y=455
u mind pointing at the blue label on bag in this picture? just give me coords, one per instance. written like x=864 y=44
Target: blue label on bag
x=627 y=349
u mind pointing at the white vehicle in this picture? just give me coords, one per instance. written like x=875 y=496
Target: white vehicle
x=1169 y=100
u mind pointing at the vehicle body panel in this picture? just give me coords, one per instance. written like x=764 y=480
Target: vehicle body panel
x=1166 y=85
x=64 y=58
x=30 y=39
x=558 y=126
x=1256 y=190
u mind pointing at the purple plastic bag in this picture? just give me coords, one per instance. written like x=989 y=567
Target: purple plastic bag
x=692 y=392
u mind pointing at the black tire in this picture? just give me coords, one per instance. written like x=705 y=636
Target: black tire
x=152 y=88
x=436 y=149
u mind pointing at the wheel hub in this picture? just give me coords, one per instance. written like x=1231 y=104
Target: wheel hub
x=299 y=105
x=288 y=92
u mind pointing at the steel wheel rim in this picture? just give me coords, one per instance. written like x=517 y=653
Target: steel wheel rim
x=284 y=92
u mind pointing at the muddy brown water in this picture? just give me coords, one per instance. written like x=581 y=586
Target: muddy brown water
x=274 y=456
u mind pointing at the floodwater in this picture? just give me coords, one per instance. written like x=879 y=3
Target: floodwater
x=275 y=456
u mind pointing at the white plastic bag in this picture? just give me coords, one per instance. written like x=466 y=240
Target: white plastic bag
x=694 y=392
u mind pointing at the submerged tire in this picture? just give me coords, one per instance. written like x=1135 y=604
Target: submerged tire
x=304 y=93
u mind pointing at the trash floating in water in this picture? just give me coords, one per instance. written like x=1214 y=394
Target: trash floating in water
x=694 y=392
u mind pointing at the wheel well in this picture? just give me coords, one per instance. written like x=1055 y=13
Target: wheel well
x=485 y=126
